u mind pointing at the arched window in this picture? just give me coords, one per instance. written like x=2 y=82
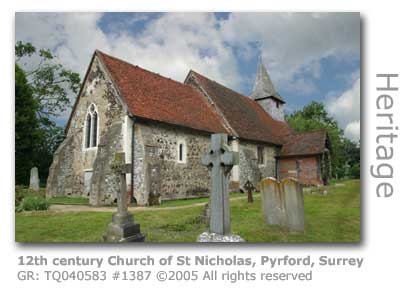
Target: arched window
x=91 y=127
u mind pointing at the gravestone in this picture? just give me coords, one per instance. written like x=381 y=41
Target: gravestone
x=283 y=203
x=249 y=187
x=123 y=228
x=34 y=181
x=294 y=204
x=219 y=160
x=272 y=202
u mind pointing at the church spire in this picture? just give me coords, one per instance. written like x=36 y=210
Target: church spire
x=263 y=87
x=266 y=95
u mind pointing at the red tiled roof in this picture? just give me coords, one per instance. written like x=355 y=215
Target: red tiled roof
x=151 y=96
x=244 y=115
x=305 y=143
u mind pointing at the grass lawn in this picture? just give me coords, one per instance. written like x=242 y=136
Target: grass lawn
x=186 y=202
x=22 y=192
x=331 y=218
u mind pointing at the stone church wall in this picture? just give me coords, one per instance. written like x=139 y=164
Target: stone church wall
x=249 y=167
x=156 y=168
x=72 y=160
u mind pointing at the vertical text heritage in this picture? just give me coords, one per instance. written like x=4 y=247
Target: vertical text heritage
x=386 y=132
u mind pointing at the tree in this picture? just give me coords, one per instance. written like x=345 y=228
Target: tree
x=49 y=86
x=314 y=116
x=52 y=84
x=27 y=129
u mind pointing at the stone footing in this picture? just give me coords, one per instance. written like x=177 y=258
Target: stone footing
x=214 y=237
x=123 y=229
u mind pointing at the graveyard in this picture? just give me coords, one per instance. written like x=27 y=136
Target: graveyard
x=331 y=215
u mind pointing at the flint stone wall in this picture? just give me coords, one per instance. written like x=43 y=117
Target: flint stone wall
x=157 y=144
x=250 y=169
x=71 y=160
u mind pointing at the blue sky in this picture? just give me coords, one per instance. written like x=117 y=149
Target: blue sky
x=309 y=56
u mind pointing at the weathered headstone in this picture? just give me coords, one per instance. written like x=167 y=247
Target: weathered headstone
x=34 y=181
x=123 y=228
x=283 y=203
x=272 y=202
x=294 y=204
x=220 y=160
x=249 y=187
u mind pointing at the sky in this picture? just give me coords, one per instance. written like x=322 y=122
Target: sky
x=309 y=56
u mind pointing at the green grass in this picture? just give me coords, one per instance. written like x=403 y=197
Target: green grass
x=23 y=192
x=331 y=218
x=185 y=202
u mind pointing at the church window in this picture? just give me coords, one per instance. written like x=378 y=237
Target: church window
x=87 y=131
x=277 y=104
x=181 y=151
x=91 y=127
x=260 y=155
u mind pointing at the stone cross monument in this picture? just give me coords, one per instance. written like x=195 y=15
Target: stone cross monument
x=249 y=187
x=122 y=228
x=220 y=160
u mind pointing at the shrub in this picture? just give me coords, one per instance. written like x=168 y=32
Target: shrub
x=32 y=203
x=18 y=195
x=355 y=171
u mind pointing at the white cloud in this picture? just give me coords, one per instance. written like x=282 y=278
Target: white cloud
x=292 y=43
x=352 y=130
x=71 y=36
x=295 y=42
x=170 y=45
x=174 y=43
x=346 y=110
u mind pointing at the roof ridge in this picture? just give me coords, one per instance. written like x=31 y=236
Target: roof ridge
x=242 y=95
x=212 y=80
x=211 y=103
x=307 y=132
x=139 y=67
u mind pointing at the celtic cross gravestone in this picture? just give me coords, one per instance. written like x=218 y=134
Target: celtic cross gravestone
x=219 y=160
x=123 y=228
x=249 y=187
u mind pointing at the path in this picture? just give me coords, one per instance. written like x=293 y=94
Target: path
x=86 y=208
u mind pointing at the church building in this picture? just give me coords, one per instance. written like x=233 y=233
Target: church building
x=164 y=127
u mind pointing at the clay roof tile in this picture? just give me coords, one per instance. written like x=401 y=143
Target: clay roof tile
x=151 y=96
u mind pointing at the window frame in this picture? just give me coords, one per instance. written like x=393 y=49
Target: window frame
x=261 y=150
x=181 y=143
x=90 y=135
